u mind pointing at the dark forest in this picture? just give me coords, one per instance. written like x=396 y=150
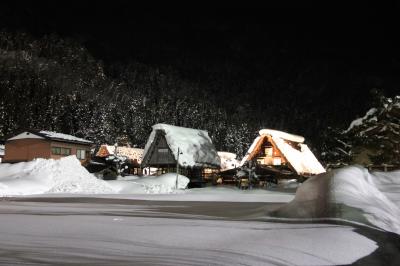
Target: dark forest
x=109 y=76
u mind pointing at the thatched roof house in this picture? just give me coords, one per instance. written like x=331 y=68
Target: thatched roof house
x=196 y=150
x=133 y=154
x=277 y=148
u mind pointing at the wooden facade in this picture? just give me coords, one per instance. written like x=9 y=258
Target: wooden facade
x=268 y=154
x=34 y=145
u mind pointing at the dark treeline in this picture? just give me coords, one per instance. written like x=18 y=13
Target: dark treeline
x=54 y=83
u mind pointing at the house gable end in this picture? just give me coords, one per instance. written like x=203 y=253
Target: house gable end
x=159 y=152
x=26 y=135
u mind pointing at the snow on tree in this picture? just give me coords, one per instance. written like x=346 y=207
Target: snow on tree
x=373 y=139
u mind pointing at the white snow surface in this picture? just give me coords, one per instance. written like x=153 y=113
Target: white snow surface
x=195 y=146
x=55 y=135
x=129 y=190
x=282 y=135
x=228 y=160
x=373 y=198
x=104 y=234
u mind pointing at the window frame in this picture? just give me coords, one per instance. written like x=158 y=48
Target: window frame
x=61 y=151
x=79 y=153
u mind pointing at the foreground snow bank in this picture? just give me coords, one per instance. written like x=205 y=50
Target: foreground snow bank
x=351 y=193
x=65 y=175
x=162 y=184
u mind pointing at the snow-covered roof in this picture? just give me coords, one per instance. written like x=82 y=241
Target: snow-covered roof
x=228 y=160
x=64 y=137
x=131 y=153
x=195 y=146
x=282 y=135
x=32 y=134
x=302 y=160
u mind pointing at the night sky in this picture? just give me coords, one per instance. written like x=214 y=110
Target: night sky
x=341 y=49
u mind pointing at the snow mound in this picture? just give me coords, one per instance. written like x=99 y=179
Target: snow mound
x=162 y=184
x=350 y=193
x=65 y=175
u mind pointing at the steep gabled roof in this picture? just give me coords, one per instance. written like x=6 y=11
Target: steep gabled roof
x=195 y=146
x=302 y=160
x=49 y=135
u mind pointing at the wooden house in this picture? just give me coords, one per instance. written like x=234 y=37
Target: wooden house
x=133 y=155
x=31 y=144
x=191 y=150
x=282 y=153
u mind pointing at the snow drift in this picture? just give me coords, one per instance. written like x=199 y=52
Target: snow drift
x=350 y=193
x=65 y=175
x=162 y=184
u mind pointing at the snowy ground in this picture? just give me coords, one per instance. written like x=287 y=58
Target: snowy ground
x=120 y=231
x=55 y=212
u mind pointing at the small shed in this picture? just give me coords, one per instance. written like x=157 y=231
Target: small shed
x=280 y=150
x=32 y=144
x=190 y=149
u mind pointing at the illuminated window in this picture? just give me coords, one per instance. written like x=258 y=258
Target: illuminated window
x=268 y=151
x=277 y=161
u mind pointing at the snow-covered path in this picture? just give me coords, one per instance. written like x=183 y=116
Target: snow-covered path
x=134 y=232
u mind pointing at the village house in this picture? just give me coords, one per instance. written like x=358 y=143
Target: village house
x=133 y=155
x=31 y=144
x=281 y=154
x=190 y=150
x=229 y=167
